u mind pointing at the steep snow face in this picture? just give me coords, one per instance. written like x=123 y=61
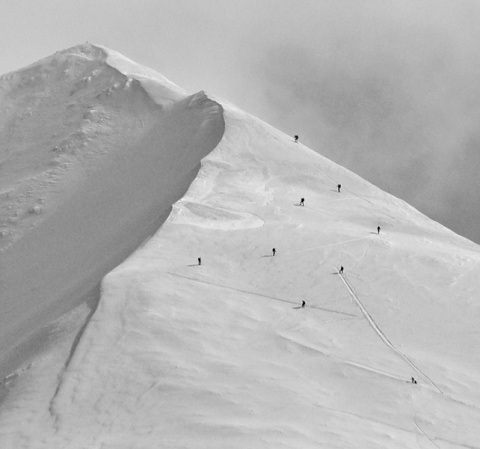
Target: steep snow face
x=223 y=355
x=90 y=165
x=183 y=355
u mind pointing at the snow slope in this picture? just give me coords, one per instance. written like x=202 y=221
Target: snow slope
x=90 y=165
x=221 y=355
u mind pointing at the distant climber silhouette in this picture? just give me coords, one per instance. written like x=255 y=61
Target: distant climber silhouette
x=302 y=202
x=303 y=303
x=199 y=261
x=273 y=251
x=378 y=229
x=296 y=138
x=339 y=187
x=341 y=270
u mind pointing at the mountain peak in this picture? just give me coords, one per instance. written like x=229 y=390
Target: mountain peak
x=195 y=277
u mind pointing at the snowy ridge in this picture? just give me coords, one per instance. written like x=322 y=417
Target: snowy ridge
x=84 y=152
x=222 y=354
x=161 y=89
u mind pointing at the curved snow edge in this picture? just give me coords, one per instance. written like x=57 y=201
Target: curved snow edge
x=159 y=88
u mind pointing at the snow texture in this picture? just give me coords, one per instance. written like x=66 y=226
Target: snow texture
x=95 y=153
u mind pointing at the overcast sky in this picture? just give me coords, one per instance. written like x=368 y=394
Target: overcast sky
x=387 y=88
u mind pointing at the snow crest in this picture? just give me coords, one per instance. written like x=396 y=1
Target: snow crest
x=200 y=338
x=91 y=166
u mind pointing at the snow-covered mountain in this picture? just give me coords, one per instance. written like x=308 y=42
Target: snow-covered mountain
x=95 y=150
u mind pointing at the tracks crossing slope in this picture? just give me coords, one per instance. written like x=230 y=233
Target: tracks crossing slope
x=380 y=333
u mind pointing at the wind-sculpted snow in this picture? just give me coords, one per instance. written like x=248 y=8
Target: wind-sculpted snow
x=159 y=88
x=187 y=212
x=91 y=165
x=222 y=354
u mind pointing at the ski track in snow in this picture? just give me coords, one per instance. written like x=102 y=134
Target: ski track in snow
x=370 y=319
x=343 y=360
x=424 y=434
x=382 y=336
x=257 y=294
x=389 y=344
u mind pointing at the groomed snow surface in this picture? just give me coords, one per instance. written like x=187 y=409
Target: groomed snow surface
x=217 y=355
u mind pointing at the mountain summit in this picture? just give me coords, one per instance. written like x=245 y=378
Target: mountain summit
x=92 y=160
x=231 y=314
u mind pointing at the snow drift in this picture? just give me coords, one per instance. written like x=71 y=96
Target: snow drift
x=221 y=354
x=91 y=165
